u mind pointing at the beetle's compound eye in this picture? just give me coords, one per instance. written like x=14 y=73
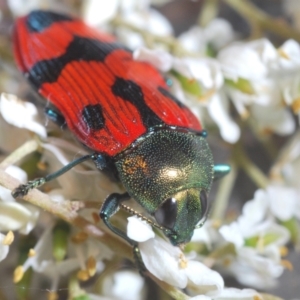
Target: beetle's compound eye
x=166 y=214
x=204 y=207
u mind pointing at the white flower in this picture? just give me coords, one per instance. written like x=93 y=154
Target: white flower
x=96 y=12
x=77 y=255
x=257 y=74
x=257 y=240
x=124 y=285
x=21 y=114
x=14 y=215
x=4 y=249
x=217 y=34
x=136 y=13
x=283 y=201
x=169 y=264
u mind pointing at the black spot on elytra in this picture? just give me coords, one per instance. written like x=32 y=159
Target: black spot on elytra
x=39 y=20
x=93 y=116
x=80 y=49
x=166 y=93
x=130 y=91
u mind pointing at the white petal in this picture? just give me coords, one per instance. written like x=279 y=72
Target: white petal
x=30 y=224
x=203 y=279
x=16 y=172
x=207 y=71
x=233 y=293
x=139 y=230
x=96 y=12
x=21 y=114
x=218 y=110
x=291 y=50
x=283 y=201
x=276 y=118
x=242 y=60
x=4 y=249
x=158 y=58
x=232 y=233
x=125 y=285
x=219 y=33
x=15 y=216
x=150 y=20
x=255 y=210
x=194 y=40
x=163 y=261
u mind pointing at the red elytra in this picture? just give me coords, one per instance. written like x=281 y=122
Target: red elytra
x=106 y=97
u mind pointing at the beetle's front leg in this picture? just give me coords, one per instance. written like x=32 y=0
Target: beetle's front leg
x=110 y=206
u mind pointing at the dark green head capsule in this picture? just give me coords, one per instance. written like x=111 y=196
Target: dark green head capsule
x=170 y=174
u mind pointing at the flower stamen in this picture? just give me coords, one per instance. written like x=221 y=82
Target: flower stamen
x=9 y=238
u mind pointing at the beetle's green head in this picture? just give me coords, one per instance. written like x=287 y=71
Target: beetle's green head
x=170 y=174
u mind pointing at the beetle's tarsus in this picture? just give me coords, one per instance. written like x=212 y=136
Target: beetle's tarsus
x=23 y=189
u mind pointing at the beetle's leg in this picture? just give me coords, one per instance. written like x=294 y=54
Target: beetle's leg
x=55 y=116
x=110 y=206
x=23 y=189
x=220 y=171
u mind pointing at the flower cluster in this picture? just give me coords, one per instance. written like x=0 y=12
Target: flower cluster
x=232 y=86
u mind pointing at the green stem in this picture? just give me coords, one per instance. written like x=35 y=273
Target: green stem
x=209 y=11
x=258 y=177
x=26 y=149
x=254 y=14
x=224 y=191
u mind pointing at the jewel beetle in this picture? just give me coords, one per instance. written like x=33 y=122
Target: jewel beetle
x=123 y=111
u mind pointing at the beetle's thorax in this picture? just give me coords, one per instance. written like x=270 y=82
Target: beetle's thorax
x=165 y=162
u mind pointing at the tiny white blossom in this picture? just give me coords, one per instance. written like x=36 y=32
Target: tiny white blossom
x=96 y=12
x=124 y=285
x=217 y=33
x=21 y=114
x=15 y=215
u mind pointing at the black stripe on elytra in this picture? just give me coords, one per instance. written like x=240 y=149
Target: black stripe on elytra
x=131 y=92
x=39 y=20
x=80 y=49
x=166 y=93
x=93 y=116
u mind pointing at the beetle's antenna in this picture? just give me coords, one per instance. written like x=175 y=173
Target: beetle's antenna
x=135 y=213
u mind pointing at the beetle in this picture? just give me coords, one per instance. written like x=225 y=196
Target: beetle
x=123 y=111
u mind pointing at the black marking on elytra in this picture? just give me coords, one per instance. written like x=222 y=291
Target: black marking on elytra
x=166 y=93
x=39 y=20
x=130 y=91
x=93 y=117
x=80 y=49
